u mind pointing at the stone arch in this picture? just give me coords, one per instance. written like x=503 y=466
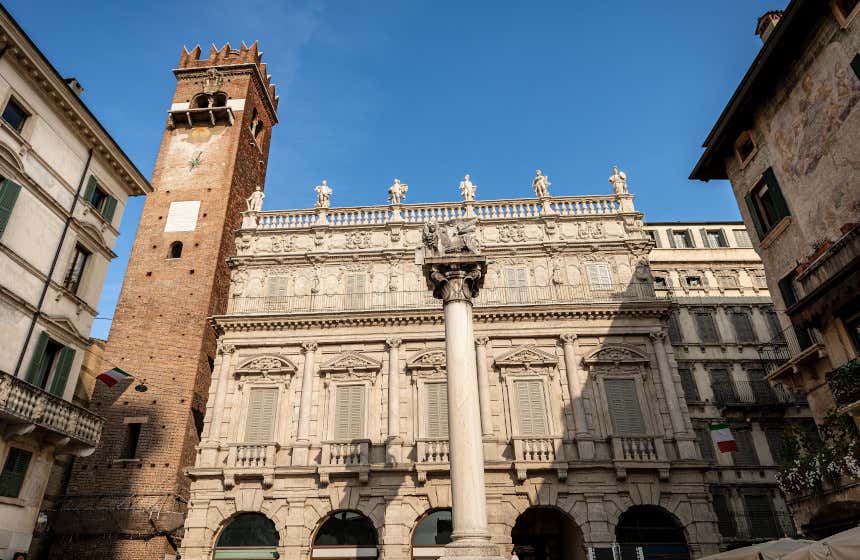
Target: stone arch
x=616 y=354
x=543 y=495
x=317 y=511
x=417 y=523
x=10 y=158
x=361 y=522
x=628 y=519
x=547 y=532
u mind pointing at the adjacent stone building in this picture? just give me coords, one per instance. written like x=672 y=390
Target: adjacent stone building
x=788 y=140
x=64 y=183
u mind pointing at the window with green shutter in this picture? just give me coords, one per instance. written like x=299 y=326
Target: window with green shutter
x=436 y=398
x=722 y=385
x=46 y=358
x=349 y=412
x=260 y=424
x=624 y=406
x=61 y=372
x=761 y=517
x=14 y=472
x=8 y=196
x=99 y=199
x=766 y=204
x=774 y=443
x=531 y=407
x=674 y=329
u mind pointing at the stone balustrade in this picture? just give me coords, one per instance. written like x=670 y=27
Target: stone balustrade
x=24 y=404
x=345 y=457
x=251 y=455
x=433 y=451
x=514 y=209
x=638 y=448
x=537 y=449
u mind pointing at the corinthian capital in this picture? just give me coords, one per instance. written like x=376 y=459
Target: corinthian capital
x=309 y=347
x=657 y=335
x=568 y=338
x=393 y=342
x=456 y=281
x=482 y=340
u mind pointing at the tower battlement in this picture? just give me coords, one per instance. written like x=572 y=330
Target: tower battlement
x=228 y=56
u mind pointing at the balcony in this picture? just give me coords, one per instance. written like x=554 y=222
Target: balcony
x=790 y=350
x=26 y=408
x=345 y=457
x=639 y=452
x=754 y=394
x=844 y=383
x=431 y=455
x=538 y=453
x=249 y=460
x=207 y=116
x=757 y=526
x=423 y=299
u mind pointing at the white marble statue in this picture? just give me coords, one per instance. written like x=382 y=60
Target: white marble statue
x=323 y=195
x=397 y=191
x=467 y=189
x=541 y=184
x=619 y=181
x=255 y=201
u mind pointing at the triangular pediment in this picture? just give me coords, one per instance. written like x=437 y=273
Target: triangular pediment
x=527 y=356
x=351 y=361
x=429 y=359
x=616 y=355
x=267 y=363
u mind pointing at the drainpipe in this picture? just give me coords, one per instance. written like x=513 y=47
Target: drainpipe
x=66 y=227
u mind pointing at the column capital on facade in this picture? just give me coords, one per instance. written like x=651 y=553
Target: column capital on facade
x=393 y=342
x=568 y=338
x=657 y=335
x=482 y=340
x=308 y=347
x=226 y=348
x=455 y=278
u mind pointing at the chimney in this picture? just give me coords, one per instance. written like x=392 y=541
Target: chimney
x=74 y=85
x=767 y=23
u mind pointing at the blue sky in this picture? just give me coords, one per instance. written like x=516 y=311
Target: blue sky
x=428 y=90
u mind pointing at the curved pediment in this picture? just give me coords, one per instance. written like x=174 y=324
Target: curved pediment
x=268 y=364
x=94 y=232
x=616 y=354
x=429 y=359
x=351 y=361
x=528 y=356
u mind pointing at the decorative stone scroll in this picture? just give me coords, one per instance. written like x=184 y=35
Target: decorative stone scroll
x=527 y=360
x=267 y=366
x=429 y=363
x=616 y=355
x=350 y=365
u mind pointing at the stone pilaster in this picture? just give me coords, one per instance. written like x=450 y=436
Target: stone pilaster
x=484 y=386
x=683 y=440
x=302 y=445
x=394 y=444
x=211 y=444
x=575 y=384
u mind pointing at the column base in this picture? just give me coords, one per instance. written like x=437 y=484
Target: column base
x=466 y=549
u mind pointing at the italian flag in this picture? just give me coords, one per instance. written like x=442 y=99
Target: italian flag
x=113 y=376
x=722 y=436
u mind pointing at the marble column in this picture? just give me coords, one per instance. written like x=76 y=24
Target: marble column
x=686 y=447
x=302 y=445
x=455 y=279
x=484 y=386
x=575 y=385
x=211 y=438
x=394 y=443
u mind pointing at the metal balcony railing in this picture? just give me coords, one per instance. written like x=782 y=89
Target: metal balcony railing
x=788 y=344
x=753 y=393
x=844 y=383
x=423 y=299
x=756 y=526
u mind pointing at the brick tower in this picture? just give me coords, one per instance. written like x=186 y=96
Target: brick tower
x=127 y=501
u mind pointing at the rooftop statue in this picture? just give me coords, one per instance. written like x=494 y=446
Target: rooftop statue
x=323 y=195
x=397 y=192
x=541 y=184
x=467 y=189
x=255 y=201
x=452 y=237
x=619 y=181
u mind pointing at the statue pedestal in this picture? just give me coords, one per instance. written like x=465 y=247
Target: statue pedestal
x=249 y=219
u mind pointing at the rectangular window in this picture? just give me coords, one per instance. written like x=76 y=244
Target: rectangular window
x=14 y=472
x=437 y=410
x=132 y=440
x=706 y=328
x=76 y=270
x=745 y=456
x=624 y=406
x=50 y=359
x=681 y=239
x=693 y=281
x=787 y=289
x=262 y=409
x=727 y=280
x=722 y=386
x=516 y=283
x=743 y=327
x=599 y=277
x=277 y=286
x=774 y=443
x=761 y=389
x=688 y=382
x=15 y=115
x=99 y=199
x=703 y=440
x=660 y=282
x=714 y=238
x=674 y=330
x=654 y=236
x=8 y=196
x=773 y=324
x=531 y=405
x=349 y=412
x=725 y=519
x=766 y=204
x=742 y=238
x=356 y=291
x=762 y=521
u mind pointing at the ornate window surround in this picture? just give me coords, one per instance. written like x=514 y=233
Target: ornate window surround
x=263 y=371
x=350 y=368
x=528 y=362
x=427 y=366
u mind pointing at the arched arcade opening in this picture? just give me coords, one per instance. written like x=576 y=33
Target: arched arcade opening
x=651 y=533
x=248 y=536
x=345 y=534
x=547 y=533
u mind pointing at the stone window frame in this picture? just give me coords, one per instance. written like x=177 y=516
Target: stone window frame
x=26 y=130
x=844 y=20
x=426 y=366
x=264 y=371
x=350 y=368
x=530 y=363
x=743 y=138
x=637 y=366
x=691 y=242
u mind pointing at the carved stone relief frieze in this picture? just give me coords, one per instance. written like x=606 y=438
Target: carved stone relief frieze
x=528 y=360
x=350 y=366
x=429 y=364
x=358 y=240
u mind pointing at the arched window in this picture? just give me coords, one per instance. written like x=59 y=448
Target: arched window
x=346 y=529
x=256 y=127
x=201 y=101
x=253 y=533
x=653 y=531
x=431 y=534
x=219 y=99
x=175 y=250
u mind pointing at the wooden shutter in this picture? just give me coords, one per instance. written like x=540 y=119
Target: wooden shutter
x=743 y=327
x=278 y=286
x=61 y=372
x=92 y=183
x=109 y=208
x=754 y=215
x=725 y=519
x=706 y=446
x=8 y=195
x=704 y=235
x=36 y=361
x=745 y=455
x=742 y=238
x=706 y=327
x=721 y=384
x=516 y=281
x=598 y=276
x=260 y=424
x=624 y=406
x=671 y=235
x=779 y=204
x=14 y=472
x=355 y=289
x=773 y=324
x=691 y=391
x=437 y=410
x=531 y=405
x=349 y=412
x=760 y=514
